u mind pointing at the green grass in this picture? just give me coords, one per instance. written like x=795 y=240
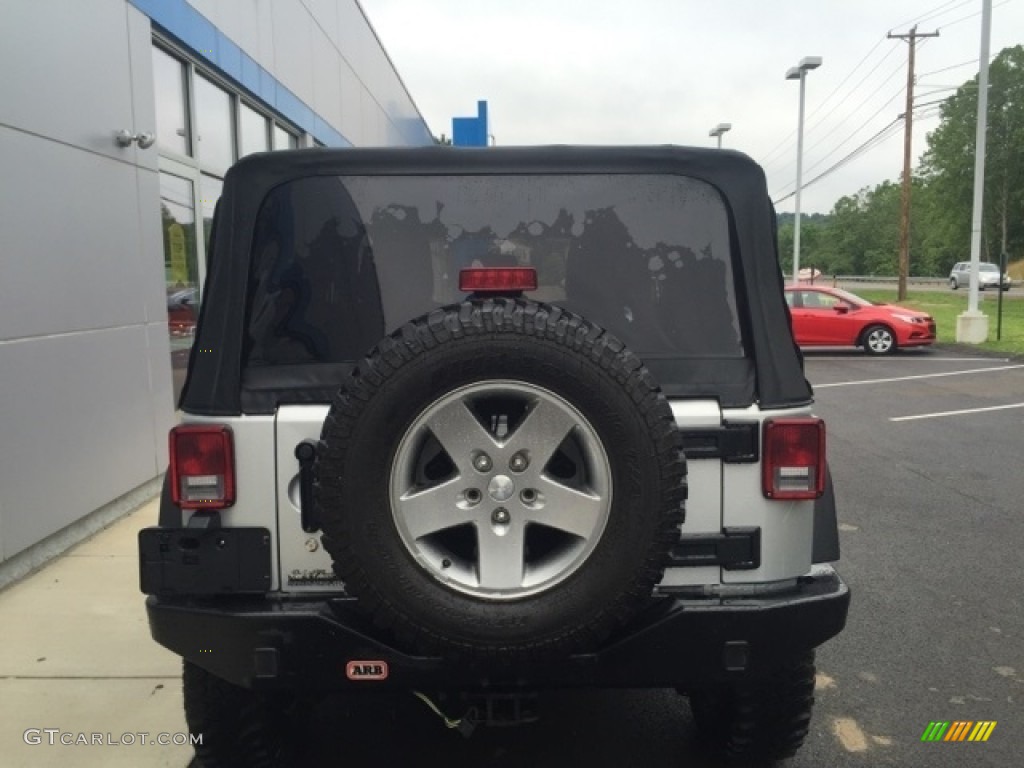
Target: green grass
x=945 y=306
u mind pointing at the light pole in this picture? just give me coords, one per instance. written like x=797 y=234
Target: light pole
x=972 y=325
x=799 y=72
x=718 y=130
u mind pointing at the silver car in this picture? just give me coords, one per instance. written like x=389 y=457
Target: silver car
x=988 y=276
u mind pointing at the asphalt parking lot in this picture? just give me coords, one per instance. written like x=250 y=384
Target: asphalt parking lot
x=925 y=449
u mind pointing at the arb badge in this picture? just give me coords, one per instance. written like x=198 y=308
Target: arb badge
x=366 y=670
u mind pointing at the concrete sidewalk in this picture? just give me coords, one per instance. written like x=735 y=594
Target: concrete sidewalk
x=76 y=656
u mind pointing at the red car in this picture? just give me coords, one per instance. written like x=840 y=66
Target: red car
x=830 y=317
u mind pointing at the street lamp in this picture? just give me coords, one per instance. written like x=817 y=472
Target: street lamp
x=718 y=130
x=799 y=72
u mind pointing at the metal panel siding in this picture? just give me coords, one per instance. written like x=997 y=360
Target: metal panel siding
x=222 y=51
x=84 y=359
x=71 y=240
x=229 y=56
x=326 y=80
x=293 y=48
x=82 y=433
x=251 y=78
x=326 y=13
x=66 y=72
x=351 y=96
x=140 y=43
x=162 y=405
x=291 y=54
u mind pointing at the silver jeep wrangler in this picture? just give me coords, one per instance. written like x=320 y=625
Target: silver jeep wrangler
x=479 y=423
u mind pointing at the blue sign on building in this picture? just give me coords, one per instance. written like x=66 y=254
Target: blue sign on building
x=471 y=131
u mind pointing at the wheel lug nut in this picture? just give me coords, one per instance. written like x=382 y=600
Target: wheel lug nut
x=519 y=462
x=528 y=495
x=473 y=496
x=482 y=462
x=500 y=516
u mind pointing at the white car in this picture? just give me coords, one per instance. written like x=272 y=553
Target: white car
x=988 y=276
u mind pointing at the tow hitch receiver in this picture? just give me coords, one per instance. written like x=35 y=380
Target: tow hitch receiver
x=490 y=709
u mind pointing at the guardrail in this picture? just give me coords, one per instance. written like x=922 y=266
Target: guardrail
x=884 y=279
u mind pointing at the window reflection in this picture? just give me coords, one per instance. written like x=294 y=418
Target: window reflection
x=253 y=127
x=339 y=262
x=210 y=188
x=171 y=114
x=178 y=225
x=213 y=125
x=284 y=139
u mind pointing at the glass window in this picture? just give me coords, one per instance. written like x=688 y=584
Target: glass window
x=340 y=262
x=819 y=300
x=210 y=188
x=171 y=112
x=214 y=126
x=253 y=127
x=178 y=222
x=284 y=139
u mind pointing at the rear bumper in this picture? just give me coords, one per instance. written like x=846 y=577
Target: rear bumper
x=308 y=644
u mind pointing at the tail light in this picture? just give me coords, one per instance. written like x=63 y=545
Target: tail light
x=498 y=279
x=794 y=459
x=202 y=466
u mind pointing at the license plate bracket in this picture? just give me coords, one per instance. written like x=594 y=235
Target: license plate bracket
x=190 y=561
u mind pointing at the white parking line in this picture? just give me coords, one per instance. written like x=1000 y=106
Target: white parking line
x=920 y=376
x=880 y=359
x=956 y=413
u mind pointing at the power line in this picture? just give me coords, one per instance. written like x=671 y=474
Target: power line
x=879 y=138
x=857 y=109
x=937 y=11
x=946 y=69
x=859 y=128
x=864 y=124
x=972 y=15
x=854 y=111
x=775 y=154
x=768 y=157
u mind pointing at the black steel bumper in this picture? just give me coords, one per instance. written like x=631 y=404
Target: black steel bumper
x=324 y=644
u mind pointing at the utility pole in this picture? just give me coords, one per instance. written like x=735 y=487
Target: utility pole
x=911 y=37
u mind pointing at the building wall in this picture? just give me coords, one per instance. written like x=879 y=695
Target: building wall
x=322 y=54
x=85 y=375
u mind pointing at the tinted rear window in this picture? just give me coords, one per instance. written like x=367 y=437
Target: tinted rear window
x=338 y=262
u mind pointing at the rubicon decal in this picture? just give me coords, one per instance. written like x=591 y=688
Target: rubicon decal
x=958 y=730
x=366 y=670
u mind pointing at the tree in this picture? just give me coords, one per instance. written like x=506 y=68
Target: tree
x=948 y=163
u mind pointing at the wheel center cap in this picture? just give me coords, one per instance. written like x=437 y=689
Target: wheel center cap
x=501 y=488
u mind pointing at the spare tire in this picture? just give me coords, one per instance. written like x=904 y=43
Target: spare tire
x=500 y=477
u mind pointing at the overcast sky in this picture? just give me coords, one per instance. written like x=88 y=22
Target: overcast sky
x=666 y=71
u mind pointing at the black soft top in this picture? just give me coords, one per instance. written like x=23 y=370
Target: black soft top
x=217 y=385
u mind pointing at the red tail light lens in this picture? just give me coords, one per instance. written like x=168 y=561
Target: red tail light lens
x=498 y=279
x=202 y=466
x=794 y=459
